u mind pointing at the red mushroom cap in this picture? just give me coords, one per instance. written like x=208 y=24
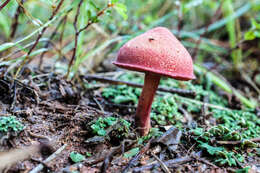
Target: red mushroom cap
x=157 y=51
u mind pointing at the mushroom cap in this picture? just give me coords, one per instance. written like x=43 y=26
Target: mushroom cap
x=157 y=51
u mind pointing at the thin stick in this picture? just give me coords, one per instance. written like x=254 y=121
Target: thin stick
x=202 y=103
x=4 y=4
x=119 y=82
x=164 y=167
x=51 y=37
x=170 y=163
x=78 y=31
x=137 y=156
x=51 y=157
x=237 y=142
x=37 y=40
x=215 y=17
x=16 y=20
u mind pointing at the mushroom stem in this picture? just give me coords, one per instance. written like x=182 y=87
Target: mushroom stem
x=142 y=117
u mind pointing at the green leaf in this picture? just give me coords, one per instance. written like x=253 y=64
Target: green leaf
x=249 y=35
x=121 y=9
x=255 y=25
x=114 y=1
x=210 y=149
x=89 y=14
x=131 y=152
x=110 y=120
x=243 y=170
x=93 y=5
x=101 y=132
x=76 y=157
x=198 y=131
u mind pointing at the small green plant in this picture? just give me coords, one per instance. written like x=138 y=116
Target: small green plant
x=10 y=124
x=222 y=156
x=131 y=152
x=76 y=157
x=99 y=127
x=165 y=109
x=233 y=126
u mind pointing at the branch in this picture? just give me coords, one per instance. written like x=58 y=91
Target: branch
x=215 y=17
x=51 y=37
x=16 y=18
x=77 y=32
x=238 y=142
x=120 y=82
x=37 y=39
x=4 y=4
x=51 y=157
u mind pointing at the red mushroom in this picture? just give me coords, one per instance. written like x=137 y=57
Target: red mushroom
x=157 y=53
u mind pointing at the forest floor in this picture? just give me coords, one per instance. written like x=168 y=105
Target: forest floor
x=89 y=125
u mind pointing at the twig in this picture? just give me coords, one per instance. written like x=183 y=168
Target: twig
x=16 y=18
x=237 y=142
x=76 y=37
x=215 y=17
x=186 y=115
x=119 y=82
x=202 y=103
x=78 y=31
x=39 y=136
x=109 y=158
x=37 y=39
x=51 y=37
x=207 y=162
x=180 y=17
x=90 y=161
x=13 y=87
x=204 y=109
x=164 y=167
x=4 y=4
x=99 y=105
x=137 y=156
x=169 y=163
x=250 y=82
x=51 y=157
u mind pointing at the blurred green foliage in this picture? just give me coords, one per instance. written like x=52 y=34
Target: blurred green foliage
x=191 y=15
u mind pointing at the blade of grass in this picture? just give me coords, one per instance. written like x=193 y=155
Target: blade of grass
x=95 y=51
x=8 y=45
x=226 y=87
x=34 y=53
x=220 y=23
x=231 y=30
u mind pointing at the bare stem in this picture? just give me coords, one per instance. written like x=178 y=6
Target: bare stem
x=78 y=31
x=4 y=4
x=37 y=40
x=142 y=116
